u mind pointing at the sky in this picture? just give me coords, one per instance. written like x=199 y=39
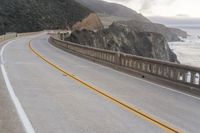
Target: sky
x=164 y=8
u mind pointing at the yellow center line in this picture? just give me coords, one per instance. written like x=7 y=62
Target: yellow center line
x=136 y=111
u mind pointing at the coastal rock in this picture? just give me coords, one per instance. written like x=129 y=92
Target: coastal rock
x=120 y=37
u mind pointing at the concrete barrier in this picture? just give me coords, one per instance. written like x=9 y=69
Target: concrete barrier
x=7 y=36
x=183 y=76
x=26 y=34
x=1 y=38
x=13 y=35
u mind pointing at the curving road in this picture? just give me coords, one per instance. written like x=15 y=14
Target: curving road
x=49 y=101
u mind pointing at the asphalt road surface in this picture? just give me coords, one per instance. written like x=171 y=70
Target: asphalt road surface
x=37 y=98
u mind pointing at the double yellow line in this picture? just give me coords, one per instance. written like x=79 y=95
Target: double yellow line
x=134 y=110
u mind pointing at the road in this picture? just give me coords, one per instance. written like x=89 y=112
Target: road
x=53 y=102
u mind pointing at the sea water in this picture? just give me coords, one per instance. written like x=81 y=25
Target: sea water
x=188 y=50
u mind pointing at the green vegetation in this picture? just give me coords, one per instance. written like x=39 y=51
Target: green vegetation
x=35 y=15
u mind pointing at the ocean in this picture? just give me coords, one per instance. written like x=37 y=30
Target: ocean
x=188 y=51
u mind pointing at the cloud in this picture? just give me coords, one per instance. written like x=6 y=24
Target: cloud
x=147 y=5
x=182 y=15
x=163 y=7
x=121 y=0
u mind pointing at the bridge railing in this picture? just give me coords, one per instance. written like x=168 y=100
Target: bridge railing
x=178 y=73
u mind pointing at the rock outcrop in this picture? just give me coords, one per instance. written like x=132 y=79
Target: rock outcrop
x=151 y=27
x=122 y=38
x=91 y=22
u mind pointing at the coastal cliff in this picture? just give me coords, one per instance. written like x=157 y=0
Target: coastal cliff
x=122 y=38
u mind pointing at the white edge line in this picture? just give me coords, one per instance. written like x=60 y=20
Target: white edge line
x=22 y=115
x=2 y=50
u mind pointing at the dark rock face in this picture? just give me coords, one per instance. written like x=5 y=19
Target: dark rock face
x=34 y=15
x=121 y=38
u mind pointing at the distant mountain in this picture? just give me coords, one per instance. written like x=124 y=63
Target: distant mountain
x=111 y=12
x=34 y=15
x=113 y=9
x=176 y=21
x=170 y=34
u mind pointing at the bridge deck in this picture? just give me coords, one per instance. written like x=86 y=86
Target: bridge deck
x=54 y=102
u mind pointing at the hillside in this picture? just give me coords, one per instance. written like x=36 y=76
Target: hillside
x=113 y=9
x=111 y=12
x=34 y=15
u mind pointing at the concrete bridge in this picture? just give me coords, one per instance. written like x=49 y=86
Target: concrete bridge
x=48 y=85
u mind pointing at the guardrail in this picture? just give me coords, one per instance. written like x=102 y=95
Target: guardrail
x=182 y=74
x=12 y=35
x=7 y=36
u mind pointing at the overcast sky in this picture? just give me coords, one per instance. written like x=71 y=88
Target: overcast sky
x=165 y=8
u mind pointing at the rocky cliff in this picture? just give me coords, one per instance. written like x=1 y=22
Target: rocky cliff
x=91 y=22
x=120 y=37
